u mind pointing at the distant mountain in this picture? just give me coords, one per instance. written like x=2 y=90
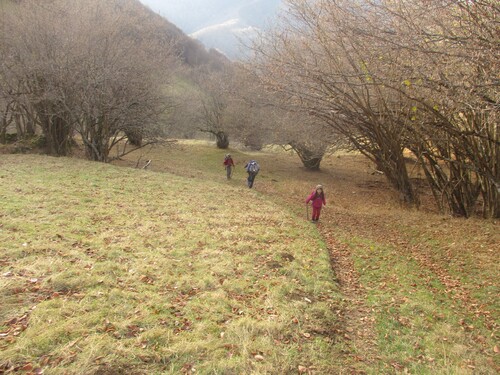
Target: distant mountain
x=152 y=25
x=219 y=24
x=229 y=37
x=190 y=50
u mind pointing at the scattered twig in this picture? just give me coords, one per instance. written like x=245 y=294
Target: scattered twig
x=148 y=162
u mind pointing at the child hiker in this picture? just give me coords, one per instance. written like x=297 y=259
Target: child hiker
x=228 y=164
x=317 y=199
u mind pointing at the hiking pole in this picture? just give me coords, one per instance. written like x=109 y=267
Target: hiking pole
x=307 y=212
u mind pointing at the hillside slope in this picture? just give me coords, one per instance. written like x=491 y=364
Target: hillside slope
x=420 y=288
x=112 y=270
x=176 y=269
x=152 y=26
x=220 y=24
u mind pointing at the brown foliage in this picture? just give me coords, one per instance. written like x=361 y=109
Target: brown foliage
x=392 y=76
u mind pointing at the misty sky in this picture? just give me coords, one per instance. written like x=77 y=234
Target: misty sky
x=217 y=24
x=193 y=15
x=187 y=14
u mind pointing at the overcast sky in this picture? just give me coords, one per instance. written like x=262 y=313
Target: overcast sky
x=217 y=24
x=193 y=15
x=189 y=15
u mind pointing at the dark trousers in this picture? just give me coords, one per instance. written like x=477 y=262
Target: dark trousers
x=251 y=179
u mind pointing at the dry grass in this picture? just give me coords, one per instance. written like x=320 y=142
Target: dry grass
x=176 y=269
x=427 y=282
x=106 y=269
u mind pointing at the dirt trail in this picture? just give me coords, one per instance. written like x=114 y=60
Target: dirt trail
x=357 y=319
x=382 y=229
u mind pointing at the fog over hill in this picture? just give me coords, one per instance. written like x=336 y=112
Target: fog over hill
x=218 y=24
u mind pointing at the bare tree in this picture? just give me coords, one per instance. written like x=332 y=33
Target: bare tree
x=6 y=118
x=268 y=118
x=214 y=102
x=33 y=75
x=251 y=116
x=317 y=62
x=444 y=57
x=393 y=76
x=87 y=66
x=119 y=91
x=309 y=138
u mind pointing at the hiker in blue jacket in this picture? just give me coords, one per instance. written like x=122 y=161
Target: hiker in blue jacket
x=252 y=168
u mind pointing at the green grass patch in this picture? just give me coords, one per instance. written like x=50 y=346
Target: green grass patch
x=415 y=318
x=112 y=269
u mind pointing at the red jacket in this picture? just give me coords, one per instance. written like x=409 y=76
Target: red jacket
x=228 y=161
x=317 y=201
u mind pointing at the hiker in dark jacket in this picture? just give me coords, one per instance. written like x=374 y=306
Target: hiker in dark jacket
x=228 y=164
x=252 y=168
x=317 y=199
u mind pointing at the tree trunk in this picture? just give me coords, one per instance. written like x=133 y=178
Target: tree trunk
x=96 y=139
x=222 y=140
x=392 y=163
x=57 y=135
x=311 y=159
x=491 y=201
x=3 y=130
x=134 y=137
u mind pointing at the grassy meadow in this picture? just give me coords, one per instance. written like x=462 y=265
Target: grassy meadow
x=112 y=269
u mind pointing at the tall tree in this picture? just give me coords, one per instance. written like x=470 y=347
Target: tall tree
x=396 y=76
x=449 y=53
x=318 y=62
x=214 y=102
x=266 y=117
x=91 y=67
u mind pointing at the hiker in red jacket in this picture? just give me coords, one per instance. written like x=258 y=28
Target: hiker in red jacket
x=228 y=164
x=317 y=199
